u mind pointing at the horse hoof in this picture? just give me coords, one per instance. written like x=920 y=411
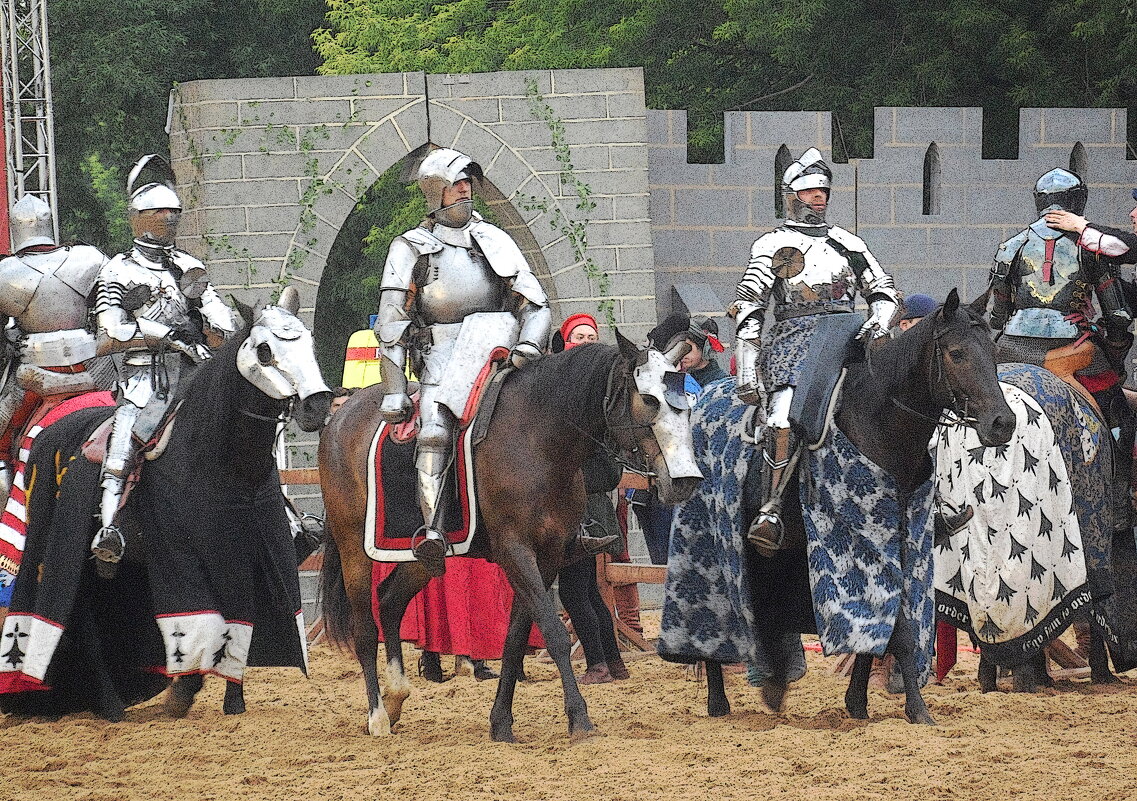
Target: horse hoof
x=233 y=709
x=176 y=707
x=858 y=713
x=922 y=718
x=718 y=710
x=502 y=735
x=583 y=732
x=774 y=696
x=378 y=724
x=113 y=715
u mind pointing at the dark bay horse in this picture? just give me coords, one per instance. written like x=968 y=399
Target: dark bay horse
x=551 y=415
x=888 y=409
x=208 y=583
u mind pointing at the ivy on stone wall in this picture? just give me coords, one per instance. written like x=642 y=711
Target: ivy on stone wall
x=575 y=231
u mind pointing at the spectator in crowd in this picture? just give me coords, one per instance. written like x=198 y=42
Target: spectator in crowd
x=576 y=583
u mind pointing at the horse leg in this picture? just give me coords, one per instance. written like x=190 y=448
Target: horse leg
x=234 y=698
x=365 y=636
x=857 y=693
x=529 y=586
x=1099 y=660
x=501 y=715
x=108 y=704
x=1029 y=675
x=182 y=692
x=903 y=646
x=718 y=704
x=988 y=673
x=776 y=686
x=395 y=593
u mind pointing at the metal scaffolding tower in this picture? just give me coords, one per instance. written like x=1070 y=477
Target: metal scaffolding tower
x=29 y=125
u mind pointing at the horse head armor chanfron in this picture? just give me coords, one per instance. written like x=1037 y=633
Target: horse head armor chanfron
x=660 y=427
x=277 y=357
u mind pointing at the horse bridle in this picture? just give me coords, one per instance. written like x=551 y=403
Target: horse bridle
x=957 y=414
x=617 y=404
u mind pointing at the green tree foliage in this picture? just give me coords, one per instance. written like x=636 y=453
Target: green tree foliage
x=847 y=56
x=113 y=63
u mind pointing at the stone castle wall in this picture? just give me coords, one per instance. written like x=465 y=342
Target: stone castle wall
x=705 y=216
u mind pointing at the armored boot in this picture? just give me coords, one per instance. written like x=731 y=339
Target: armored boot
x=779 y=458
x=109 y=545
x=430 y=546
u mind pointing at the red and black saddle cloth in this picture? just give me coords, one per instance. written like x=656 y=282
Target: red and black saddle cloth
x=393 y=512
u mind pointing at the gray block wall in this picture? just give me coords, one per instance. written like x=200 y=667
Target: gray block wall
x=270 y=169
x=705 y=216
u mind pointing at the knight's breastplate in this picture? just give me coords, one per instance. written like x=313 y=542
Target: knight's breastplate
x=166 y=303
x=820 y=280
x=457 y=282
x=36 y=293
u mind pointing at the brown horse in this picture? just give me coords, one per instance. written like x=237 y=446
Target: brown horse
x=550 y=417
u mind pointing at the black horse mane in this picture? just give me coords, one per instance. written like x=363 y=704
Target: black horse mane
x=571 y=385
x=210 y=401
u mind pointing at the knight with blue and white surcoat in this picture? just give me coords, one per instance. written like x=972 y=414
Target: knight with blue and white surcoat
x=153 y=309
x=453 y=289
x=800 y=271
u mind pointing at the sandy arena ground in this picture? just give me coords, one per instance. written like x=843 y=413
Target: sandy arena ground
x=303 y=739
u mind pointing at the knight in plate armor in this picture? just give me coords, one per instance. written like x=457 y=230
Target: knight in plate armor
x=154 y=308
x=800 y=271
x=1044 y=281
x=453 y=289
x=43 y=310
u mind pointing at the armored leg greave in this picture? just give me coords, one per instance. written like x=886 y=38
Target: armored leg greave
x=431 y=549
x=109 y=544
x=779 y=459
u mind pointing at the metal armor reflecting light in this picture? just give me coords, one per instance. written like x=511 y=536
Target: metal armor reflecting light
x=808 y=172
x=31 y=224
x=1060 y=189
x=440 y=170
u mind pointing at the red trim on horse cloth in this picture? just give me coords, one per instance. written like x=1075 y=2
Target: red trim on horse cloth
x=475 y=399
x=53 y=409
x=385 y=543
x=463 y=612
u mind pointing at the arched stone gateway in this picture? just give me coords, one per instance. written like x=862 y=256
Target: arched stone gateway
x=270 y=168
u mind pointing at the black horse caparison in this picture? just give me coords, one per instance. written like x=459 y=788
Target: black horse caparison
x=550 y=417
x=889 y=408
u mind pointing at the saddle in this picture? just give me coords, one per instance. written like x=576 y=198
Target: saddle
x=393 y=514
x=831 y=349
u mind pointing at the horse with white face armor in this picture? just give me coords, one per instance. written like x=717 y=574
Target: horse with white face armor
x=211 y=585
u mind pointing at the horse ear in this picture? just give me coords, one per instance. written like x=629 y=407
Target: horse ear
x=289 y=300
x=950 y=305
x=979 y=305
x=246 y=311
x=628 y=348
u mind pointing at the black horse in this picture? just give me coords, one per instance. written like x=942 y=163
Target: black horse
x=209 y=583
x=888 y=409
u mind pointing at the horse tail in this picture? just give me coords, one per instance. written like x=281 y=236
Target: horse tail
x=333 y=597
